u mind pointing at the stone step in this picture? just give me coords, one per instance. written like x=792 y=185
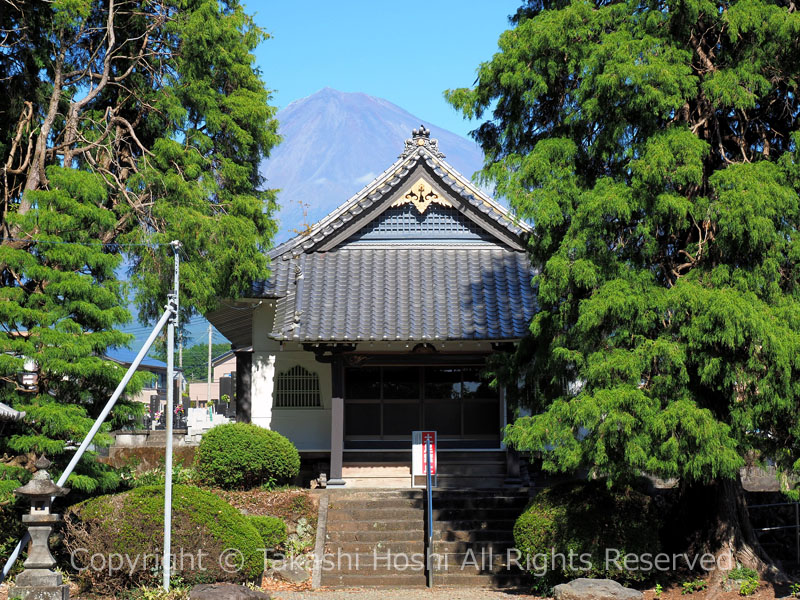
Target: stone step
x=479 y=536
x=399 y=525
x=480 y=469
x=418 y=545
x=472 y=525
x=473 y=514
x=394 y=546
x=366 y=503
x=516 y=502
x=372 y=537
x=493 y=581
x=369 y=515
x=374 y=514
x=346 y=580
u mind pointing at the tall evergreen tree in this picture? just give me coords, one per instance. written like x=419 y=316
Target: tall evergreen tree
x=123 y=125
x=654 y=146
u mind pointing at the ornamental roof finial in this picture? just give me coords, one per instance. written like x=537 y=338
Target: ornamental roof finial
x=421 y=138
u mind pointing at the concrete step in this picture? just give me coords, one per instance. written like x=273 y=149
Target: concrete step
x=374 y=514
x=398 y=525
x=494 y=581
x=346 y=580
x=479 y=536
x=472 y=525
x=486 y=469
x=372 y=537
x=382 y=503
x=483 y=514
x=481 y=502
x=381 y=546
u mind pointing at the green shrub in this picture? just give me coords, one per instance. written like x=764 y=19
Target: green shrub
x=566 y=530
x=244 y=456
x=272 y=530
x=180 y=476
x=131 y=526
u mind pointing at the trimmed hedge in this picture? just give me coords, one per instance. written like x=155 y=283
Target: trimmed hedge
x=271 y=529
x=121 y=528
x=586 y=519
x=244 y=456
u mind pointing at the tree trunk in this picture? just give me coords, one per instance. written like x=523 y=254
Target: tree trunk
x=718 y=522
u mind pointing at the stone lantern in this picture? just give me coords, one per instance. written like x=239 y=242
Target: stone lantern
x=38 y=581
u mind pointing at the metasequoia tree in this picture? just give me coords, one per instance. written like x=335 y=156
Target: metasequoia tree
x=654 y=147
x=123 y=125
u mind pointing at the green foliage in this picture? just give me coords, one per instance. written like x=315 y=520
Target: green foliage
x=271 y=529
x=113 y=146
x=658 y=590
x=243 y=456
x=696 y=585
x=748 y=579
x=585 y=521
x=132 y=524
x=195 y=359
x=794 y=588
x=180 y=476
x=663 y=192
x=749 y=586
x=741 y=572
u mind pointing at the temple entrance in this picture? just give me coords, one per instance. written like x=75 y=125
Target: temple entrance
x=383 y=404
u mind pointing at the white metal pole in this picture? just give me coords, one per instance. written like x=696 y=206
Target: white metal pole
x=97 y=424
x=170 y=414
x=208 y=381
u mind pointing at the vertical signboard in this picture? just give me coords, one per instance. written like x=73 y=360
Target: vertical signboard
x=419 y=458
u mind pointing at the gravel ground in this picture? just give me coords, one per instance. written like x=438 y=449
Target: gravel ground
x=402 y=594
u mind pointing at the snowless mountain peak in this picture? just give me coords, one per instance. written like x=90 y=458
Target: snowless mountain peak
x=335 y=143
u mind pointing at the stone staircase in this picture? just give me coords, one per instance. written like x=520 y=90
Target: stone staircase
x=375 y=538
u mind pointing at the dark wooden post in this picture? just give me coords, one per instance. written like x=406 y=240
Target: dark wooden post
x=337 y=422
x=244 y=366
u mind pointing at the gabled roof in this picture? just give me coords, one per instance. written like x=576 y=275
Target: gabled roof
x=418 y=254
x=421 y=153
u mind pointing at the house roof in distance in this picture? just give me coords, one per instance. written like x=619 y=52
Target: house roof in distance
x=125 y=356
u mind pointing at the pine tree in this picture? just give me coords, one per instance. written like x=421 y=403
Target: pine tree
x=125 y=125
x=654 y=146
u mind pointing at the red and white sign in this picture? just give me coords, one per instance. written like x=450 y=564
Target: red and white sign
x=428 y=439
x=419 y=454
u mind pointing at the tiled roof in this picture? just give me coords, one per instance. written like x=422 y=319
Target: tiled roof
x=407 y=294
x=375 y=269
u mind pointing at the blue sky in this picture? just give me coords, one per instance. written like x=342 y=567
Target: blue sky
x=405 y=52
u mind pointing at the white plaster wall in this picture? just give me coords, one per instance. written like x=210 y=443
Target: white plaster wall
x=308 y=428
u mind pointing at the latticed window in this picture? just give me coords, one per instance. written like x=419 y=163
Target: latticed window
x=297 y=388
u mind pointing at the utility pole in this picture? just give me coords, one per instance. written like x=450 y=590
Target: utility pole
x=171 y=325
x=180 y=350
x=208 y=383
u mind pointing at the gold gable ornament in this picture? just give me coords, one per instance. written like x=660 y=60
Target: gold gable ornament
x=421 y=195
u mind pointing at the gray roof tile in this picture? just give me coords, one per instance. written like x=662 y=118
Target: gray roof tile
x=353 y=294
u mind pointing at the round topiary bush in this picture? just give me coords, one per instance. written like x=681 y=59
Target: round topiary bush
x=243 y=456
x=272 y=530
x=586 y=530
x=116 y=541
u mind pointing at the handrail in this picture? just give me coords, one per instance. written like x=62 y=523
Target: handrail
x=429 y=491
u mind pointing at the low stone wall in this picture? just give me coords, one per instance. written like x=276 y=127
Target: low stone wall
x=144 y=458
x=146 y=449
